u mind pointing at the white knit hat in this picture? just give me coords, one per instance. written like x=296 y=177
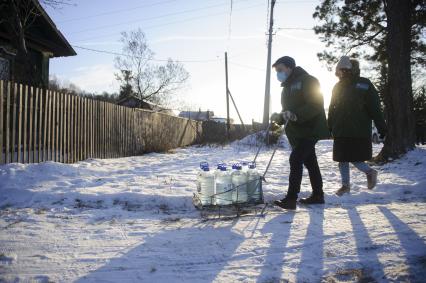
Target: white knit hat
x=344 y=63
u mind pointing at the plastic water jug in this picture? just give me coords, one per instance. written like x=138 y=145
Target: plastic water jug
x=253 y=185
x=244 y=166
x=223 y=194
x=239 y=182
x=206 y=185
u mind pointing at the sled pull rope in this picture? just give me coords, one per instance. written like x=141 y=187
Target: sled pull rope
x=273 y=153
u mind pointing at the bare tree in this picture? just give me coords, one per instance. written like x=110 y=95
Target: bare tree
x=150 y=82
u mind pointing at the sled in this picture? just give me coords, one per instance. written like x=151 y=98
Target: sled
x=253 y=206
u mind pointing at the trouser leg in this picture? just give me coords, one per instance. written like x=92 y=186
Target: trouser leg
x=298 y=156
x=344 y=173
x=311 y=163
x=362 y=166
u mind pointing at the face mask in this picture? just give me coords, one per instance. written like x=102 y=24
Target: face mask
x=282 y=76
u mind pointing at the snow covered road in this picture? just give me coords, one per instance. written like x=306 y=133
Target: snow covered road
x=132 y=220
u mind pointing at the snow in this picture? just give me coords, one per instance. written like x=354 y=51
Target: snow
x=132 y=220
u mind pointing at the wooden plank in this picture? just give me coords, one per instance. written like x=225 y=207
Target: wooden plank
x=72 y=128
x=123 y=145
x=126 y=123
x=58 y=126
x=19 y=148
x=53 y=129
x=114 y=107
x=14 y=120
x=103 y=129
x=109 y=130
x=88 y=132
x=45 y=124
x=8 y=156
x=24 y=128
x=36 y=138
x=67 y=129
x=63 y=127
x=30 y=127
x=39 y=127
x=86 y=128
x=80 y=129
x=93 y=127
x=83 y=128
x=57 y=134
x=2 y=160
x=77 y=129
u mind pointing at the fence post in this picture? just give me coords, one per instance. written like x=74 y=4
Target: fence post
x=19 y=159
x=25 y=130
x=2 y=160
x=38 y=124
x=46 y=111
x=72 y=128
x=30 y=130
x=8 y=157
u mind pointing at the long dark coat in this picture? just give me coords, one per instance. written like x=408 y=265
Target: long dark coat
x=354 y=105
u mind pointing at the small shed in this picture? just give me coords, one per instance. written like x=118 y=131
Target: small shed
x=134 y=102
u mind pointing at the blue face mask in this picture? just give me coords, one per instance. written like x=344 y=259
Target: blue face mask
x=282 y=76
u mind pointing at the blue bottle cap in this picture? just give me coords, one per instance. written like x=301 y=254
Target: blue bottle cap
x=206 y=169
x=204 y=164
x=236 y=166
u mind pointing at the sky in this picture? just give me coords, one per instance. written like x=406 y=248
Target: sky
x=190 y=30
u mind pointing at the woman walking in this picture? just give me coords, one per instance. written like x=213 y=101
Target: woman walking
x=354 y=105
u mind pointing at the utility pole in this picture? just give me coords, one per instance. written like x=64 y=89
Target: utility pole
x=228 y=123
x=268 y=69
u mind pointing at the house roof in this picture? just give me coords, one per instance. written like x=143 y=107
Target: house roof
x=42 y=34
x=51 y=38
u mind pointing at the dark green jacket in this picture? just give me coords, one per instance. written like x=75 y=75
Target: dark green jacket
x=354 y=104
x=301 y=95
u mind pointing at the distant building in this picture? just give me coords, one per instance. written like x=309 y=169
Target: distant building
x=197 y=115
x=222 y=120
x=134 y=102
x=43 y=41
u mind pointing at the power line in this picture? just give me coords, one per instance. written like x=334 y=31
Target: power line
x=155 y=60
x=174 y=22
x=116 y=11
x=153 y=18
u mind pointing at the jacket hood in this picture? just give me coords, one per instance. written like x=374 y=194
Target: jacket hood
x=297 y=72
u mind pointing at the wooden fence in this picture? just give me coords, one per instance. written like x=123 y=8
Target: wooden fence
x=38 y=125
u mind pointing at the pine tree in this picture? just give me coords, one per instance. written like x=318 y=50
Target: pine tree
x=389 y=35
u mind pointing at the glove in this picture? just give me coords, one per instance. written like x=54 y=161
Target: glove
x=277 y=118
x=289 y=116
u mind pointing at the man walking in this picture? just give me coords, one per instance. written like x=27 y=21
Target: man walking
x=303 y=108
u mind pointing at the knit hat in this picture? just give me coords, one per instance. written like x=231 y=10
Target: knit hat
x=286 y=61
x=344 y=63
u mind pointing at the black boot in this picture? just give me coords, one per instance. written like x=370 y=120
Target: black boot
x=313 y=199
x=286 y=203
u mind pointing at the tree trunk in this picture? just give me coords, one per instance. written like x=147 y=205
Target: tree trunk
x=398 y=96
